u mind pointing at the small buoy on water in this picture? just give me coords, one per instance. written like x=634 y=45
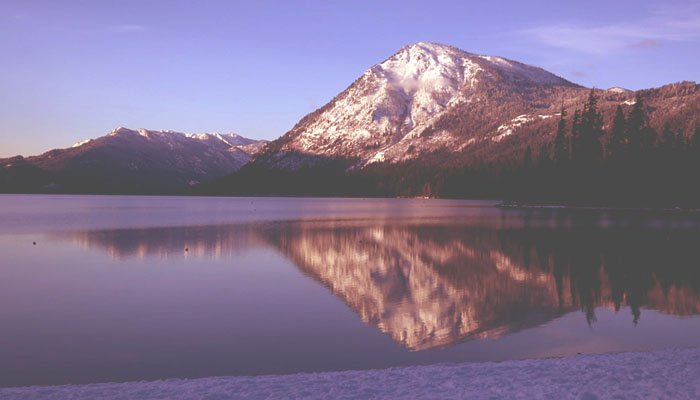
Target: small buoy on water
x=186 y=249
x=34 y=243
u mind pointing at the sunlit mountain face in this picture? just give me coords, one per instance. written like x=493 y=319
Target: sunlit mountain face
x=430 y=284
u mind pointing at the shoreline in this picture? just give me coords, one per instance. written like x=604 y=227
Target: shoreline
x=512 y=205
x=657 y=374
x=505 y=204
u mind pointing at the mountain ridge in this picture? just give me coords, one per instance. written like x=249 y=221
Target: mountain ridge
x=130 y=161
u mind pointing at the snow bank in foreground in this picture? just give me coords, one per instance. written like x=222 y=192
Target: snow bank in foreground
x=673 y=374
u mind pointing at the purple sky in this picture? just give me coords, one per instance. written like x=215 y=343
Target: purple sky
x=72 y=70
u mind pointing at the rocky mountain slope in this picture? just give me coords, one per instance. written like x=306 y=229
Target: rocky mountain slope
x=130 y=161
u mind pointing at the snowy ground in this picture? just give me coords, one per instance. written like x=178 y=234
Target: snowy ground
x=671 y=374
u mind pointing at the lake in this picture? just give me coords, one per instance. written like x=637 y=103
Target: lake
x=121 y=288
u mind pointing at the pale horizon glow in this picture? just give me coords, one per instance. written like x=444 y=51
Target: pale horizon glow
x=73 y=70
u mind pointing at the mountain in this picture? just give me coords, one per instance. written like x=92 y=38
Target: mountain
x=400 y=109
x=130 y=161
x=434 y=120
x=434 y=103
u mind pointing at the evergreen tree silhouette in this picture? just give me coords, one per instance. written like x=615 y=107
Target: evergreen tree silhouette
x=561 y=142
x=668 y=139
x=618 y=137
x=527 y=159
x=590 y=130
x=637 y=123
x=575 y=137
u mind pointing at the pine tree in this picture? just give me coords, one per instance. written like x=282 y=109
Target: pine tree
x=575 y=136
x=527 y=159
x=668 y=138
x=692 y=151
x=590 y=130
x=649 y=138
x=561 y=142
x=637 y=123
x=618 y=137
x=694 y=142
x=544 y=160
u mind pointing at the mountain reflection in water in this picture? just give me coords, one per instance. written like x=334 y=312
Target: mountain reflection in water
x=433 y=283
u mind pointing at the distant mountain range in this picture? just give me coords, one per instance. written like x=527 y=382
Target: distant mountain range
x=429 y=106
x=130 y=161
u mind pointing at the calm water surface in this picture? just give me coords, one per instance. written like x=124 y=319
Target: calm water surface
x=96 y=289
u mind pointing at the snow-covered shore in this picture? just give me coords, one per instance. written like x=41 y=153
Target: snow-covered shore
x=668 y=374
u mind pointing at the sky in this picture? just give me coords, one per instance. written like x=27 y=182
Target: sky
x=72 y=70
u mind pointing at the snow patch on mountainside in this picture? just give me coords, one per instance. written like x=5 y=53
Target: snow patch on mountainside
x=230 y=138
x=508 y=129
x=618 y=89
x=82 y=143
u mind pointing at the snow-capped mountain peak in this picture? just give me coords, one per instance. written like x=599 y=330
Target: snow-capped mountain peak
x=119 y=130
x=426 y=67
